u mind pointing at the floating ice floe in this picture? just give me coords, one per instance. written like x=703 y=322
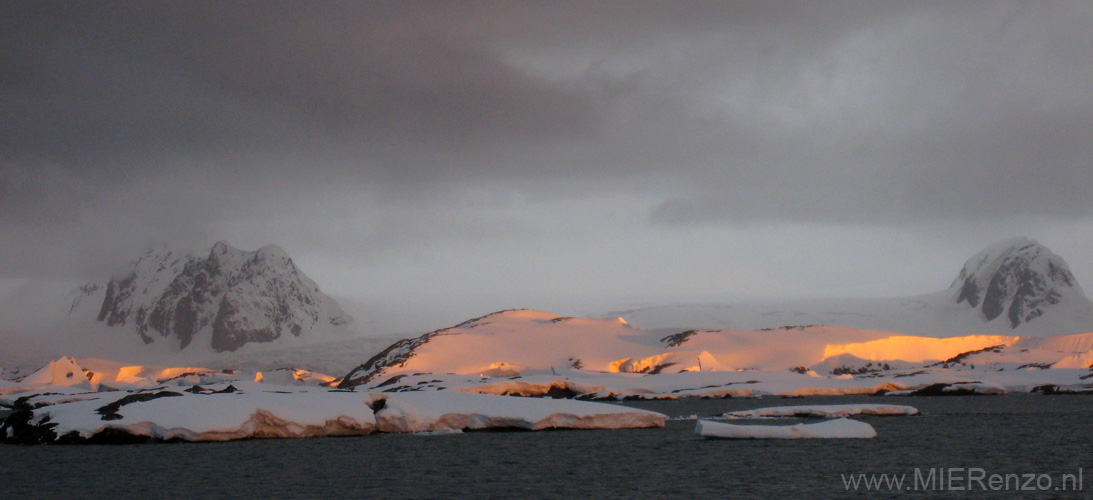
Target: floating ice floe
x=833 y=429
x=824 y=411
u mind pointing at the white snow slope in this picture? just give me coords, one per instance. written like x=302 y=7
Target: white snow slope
x=509 y=343
x=534 y=353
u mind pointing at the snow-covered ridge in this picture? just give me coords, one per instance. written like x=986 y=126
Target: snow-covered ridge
x=512 y=344
x=222 y=300
x=399 y=353
x=537 y=353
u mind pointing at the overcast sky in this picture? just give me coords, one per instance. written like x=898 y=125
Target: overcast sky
x=436 y=161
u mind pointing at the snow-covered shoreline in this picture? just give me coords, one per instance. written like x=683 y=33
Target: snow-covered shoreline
x=78 y=400
x=246 y=410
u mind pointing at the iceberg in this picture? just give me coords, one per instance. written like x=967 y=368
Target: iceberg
x=824 y=411
x=834 y=429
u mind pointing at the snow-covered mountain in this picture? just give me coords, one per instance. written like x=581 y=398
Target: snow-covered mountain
x=222 y=300
x=508 y=343
x=1015 y=287
x=1018 y=279
x=538 y=353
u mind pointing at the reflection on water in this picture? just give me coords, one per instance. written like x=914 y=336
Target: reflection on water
x=1011 y=434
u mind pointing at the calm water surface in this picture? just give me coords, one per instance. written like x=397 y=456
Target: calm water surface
x=1016 y=434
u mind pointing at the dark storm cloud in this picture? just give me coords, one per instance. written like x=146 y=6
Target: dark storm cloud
x=132 y=121
x=972 y=114
x=129 y=121
x=122 y=86
x=123 y=89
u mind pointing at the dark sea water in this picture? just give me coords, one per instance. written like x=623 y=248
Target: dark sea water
x=1016 y=434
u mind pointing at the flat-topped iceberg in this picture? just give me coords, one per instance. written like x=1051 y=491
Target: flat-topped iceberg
x=834 y=429
x=824 y=411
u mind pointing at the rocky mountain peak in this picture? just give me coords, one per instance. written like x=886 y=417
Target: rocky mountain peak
x=231 y=296
x=1018 y=278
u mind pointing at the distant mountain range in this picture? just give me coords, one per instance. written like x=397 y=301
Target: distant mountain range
x=1014 y=306
x=1015 y=287
x=222 y=300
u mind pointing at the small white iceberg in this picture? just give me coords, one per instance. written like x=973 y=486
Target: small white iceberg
x=833 y=429
x=824 y=411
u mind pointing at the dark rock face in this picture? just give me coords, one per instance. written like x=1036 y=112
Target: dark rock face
x=237 y=297
x=1019 y=278
x=396 y=354
x=942 y=389
x=110 y=411
x=964 y=357
x=117 y=292
x=21 y=428
x=82 y=293
x=678 y=339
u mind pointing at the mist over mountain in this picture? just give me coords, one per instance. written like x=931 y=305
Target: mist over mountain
x=1014 y=287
